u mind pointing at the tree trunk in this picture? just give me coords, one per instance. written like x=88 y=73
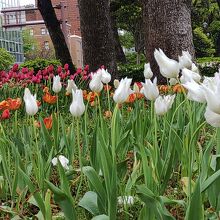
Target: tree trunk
x=53 y=25
x=167 y=25
x=97 y=35
x=120 y=56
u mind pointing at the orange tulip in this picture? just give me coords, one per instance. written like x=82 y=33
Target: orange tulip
x=131 y=98
x=14 y=104
x=48 y=98
x=48 y=122
x=164 y=88
x=178 y=88
x=4 y=105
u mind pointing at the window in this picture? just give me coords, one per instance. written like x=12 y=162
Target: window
x=31 y=32
x=46 y=45
x=43 y=31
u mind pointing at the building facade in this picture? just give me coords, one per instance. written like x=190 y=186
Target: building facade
x=11 y=39
x=41 y=34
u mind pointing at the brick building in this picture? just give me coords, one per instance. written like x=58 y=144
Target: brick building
x=40 y=32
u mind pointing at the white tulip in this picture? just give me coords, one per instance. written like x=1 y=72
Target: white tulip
x=195 y=68
x=30 y=102
x=71 y=86
x=57 y=86
x=173 y=81
x=96 y=84
x=77 y=107
x=185 y=61
x=147 y=71
x=163 y=104
x=123 y=90
x=195 y=91
x=106 y=76
x=169 y=68
x=63 y=161
x=212 y=118
x=116 y=83
x=125 y=200
x=150 y=89
x=188 y=75
x=212 y=97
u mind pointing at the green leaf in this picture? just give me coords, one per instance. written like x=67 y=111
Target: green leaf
x=95 y=181
x=195 y=209
x=33 y=190
x=210 y=180
x=101 y=217
x=89 y=202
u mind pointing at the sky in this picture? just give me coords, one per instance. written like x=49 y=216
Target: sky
x=26 y=2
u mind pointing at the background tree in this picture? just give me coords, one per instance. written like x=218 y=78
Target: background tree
x=206 y=26
x=97 y=35
x=167 y=25
x=53 y=25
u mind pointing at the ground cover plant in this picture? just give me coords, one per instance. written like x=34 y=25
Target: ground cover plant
x=84 y=149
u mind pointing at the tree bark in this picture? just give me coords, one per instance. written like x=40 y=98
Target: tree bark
x=53 y=25
x=167 y=25
x=97 y=35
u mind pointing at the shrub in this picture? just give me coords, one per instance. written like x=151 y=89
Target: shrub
x=132 y=71
x=203 y=45
x=208 y=66
x=6 y=59
x=40 y=64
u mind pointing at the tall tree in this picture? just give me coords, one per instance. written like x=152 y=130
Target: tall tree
x=167 y=25
x=53 y=25
x=97 y=35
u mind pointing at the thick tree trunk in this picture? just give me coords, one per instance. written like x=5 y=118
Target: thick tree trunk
x=167 y=25
x=97 y=35
x=53 y=25
x=120 y=56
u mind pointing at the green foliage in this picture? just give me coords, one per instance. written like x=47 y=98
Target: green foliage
x=29 y=42
x=6 y=59
x=127 y=40
x=208 y=65
x=40 y=64
x=203 y=45
x=214 y=29
x=131 y=69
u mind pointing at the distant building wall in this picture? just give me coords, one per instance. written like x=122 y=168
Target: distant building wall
x=40 y=32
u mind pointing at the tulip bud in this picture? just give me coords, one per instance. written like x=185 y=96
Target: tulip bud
x=169 y=68
x=30 y=102
x=96 y=84
x=163 y=104
x=195 y=68
x=147 y=71
x=123 y=90
x=116 y=83
x=57 y=86
x=150 y=90
x=195 y=91
x=106 y=76
x=71 y=86
x=77 y=107
x=188 y=75
x=63 y=161
x=185 y=60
